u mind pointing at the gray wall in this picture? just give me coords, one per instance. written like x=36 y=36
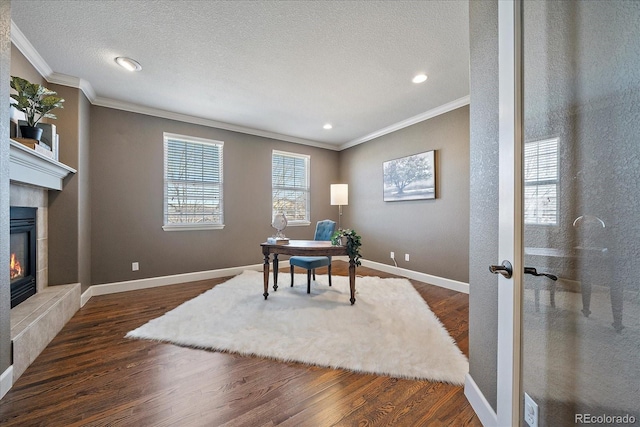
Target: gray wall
x=434 y=232
x=127 y=198
x=483 y=225
x=84 y=192
x=69 y=212
x=21 y=67
x=5 y=290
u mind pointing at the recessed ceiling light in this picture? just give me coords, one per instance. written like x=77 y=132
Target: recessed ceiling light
x=128 y=63
x=328 y=126
x=420 y=78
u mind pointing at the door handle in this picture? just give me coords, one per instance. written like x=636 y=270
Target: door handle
x=533 y=271
x=506 y=269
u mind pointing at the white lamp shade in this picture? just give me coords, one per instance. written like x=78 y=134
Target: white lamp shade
x=340 y=194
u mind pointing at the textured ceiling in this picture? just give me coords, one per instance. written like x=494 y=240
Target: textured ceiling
x=285 y=67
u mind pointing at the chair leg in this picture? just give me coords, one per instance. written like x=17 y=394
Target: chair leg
x=291 y=276
x=308 y=281
x=329 y=269
x=314 y=274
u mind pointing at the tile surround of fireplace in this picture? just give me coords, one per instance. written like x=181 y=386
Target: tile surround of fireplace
x=37 y=320
x=36 y=197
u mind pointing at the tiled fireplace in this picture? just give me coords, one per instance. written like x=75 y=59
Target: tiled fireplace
x=42 y=310
x=38 y=317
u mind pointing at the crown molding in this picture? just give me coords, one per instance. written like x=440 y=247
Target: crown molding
x=156 y=112
x=71 y=81
x=41 y=66
x=27 y=49
x=445 y=108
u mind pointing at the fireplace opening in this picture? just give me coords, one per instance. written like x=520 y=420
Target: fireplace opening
x=22 y=262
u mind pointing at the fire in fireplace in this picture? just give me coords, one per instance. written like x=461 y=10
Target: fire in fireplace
x=15 y=268
x=22 y=264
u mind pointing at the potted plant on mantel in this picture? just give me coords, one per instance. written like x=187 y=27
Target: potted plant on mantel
x=351 y=240
x=36 y=102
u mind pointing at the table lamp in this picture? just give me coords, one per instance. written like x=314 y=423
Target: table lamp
x=340 y=197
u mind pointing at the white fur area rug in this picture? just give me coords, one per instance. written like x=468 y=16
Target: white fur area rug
x=390 y=330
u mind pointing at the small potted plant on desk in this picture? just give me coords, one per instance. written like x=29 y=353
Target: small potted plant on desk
x=351 y=240
x=36 y=102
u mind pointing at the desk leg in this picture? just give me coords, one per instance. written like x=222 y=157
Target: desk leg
x=275 y=272
x=265 y=270
x=352 y=280
x=616 y=305
x=585 y=288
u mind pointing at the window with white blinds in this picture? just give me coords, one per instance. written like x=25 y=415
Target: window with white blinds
x=290 y=186
x=541 y=182
x=192 y=183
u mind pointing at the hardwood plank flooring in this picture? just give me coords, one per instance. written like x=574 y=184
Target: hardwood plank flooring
x=90 y=375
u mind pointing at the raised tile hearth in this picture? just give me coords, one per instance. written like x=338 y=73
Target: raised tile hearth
x=36 y=321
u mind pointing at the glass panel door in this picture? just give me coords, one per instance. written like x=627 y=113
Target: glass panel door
x=581 y=105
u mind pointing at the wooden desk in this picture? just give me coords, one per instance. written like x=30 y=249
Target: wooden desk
x=592 y=259
x=304 y=248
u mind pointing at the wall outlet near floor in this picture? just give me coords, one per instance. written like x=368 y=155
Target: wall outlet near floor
x=406 y=257
x=392 y=255
x=135 y=266
x=530 y=411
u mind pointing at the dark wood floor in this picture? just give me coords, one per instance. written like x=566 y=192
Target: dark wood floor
x=90 y=375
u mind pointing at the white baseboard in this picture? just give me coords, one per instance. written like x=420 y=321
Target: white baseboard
x=480 y=405
x=416 y=275
x=86 y=296
x=153 y=282
x=6 y=381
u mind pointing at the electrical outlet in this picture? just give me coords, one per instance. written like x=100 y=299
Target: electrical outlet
x=393 y=255
x=406 y=257
x=530 y=411
x=135 y=266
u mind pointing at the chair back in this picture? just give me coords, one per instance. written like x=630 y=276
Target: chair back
x=325 y=229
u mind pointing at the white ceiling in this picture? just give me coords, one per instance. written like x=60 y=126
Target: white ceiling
x=274 y=68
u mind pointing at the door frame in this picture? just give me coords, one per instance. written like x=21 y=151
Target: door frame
x=510 y=247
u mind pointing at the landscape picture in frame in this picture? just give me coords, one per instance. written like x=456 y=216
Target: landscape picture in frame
x=410 y=178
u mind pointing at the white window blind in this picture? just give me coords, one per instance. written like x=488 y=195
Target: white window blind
x=290 y=186
x=541 y=182
x=192 y=183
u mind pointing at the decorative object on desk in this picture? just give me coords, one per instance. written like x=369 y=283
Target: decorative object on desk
x=277 y=241
x=410 y=178
x=352 y=242
x=324 y=330
x=279 y=223
x=340 y=197
x=36 y=102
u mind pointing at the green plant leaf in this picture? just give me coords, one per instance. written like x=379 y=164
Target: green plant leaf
x=34 y=100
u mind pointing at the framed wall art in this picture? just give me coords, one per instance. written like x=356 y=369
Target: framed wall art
x=410 y=178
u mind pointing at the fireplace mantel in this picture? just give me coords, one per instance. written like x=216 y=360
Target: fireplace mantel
x=29 y=167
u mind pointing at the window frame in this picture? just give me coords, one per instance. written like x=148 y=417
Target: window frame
x=307 y=160
x=166 y=136
x=542 y=182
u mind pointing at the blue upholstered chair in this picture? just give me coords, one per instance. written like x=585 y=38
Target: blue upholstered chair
x=324 y=231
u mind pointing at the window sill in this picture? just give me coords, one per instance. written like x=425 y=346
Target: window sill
x=298 y=224
x=192 y=227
